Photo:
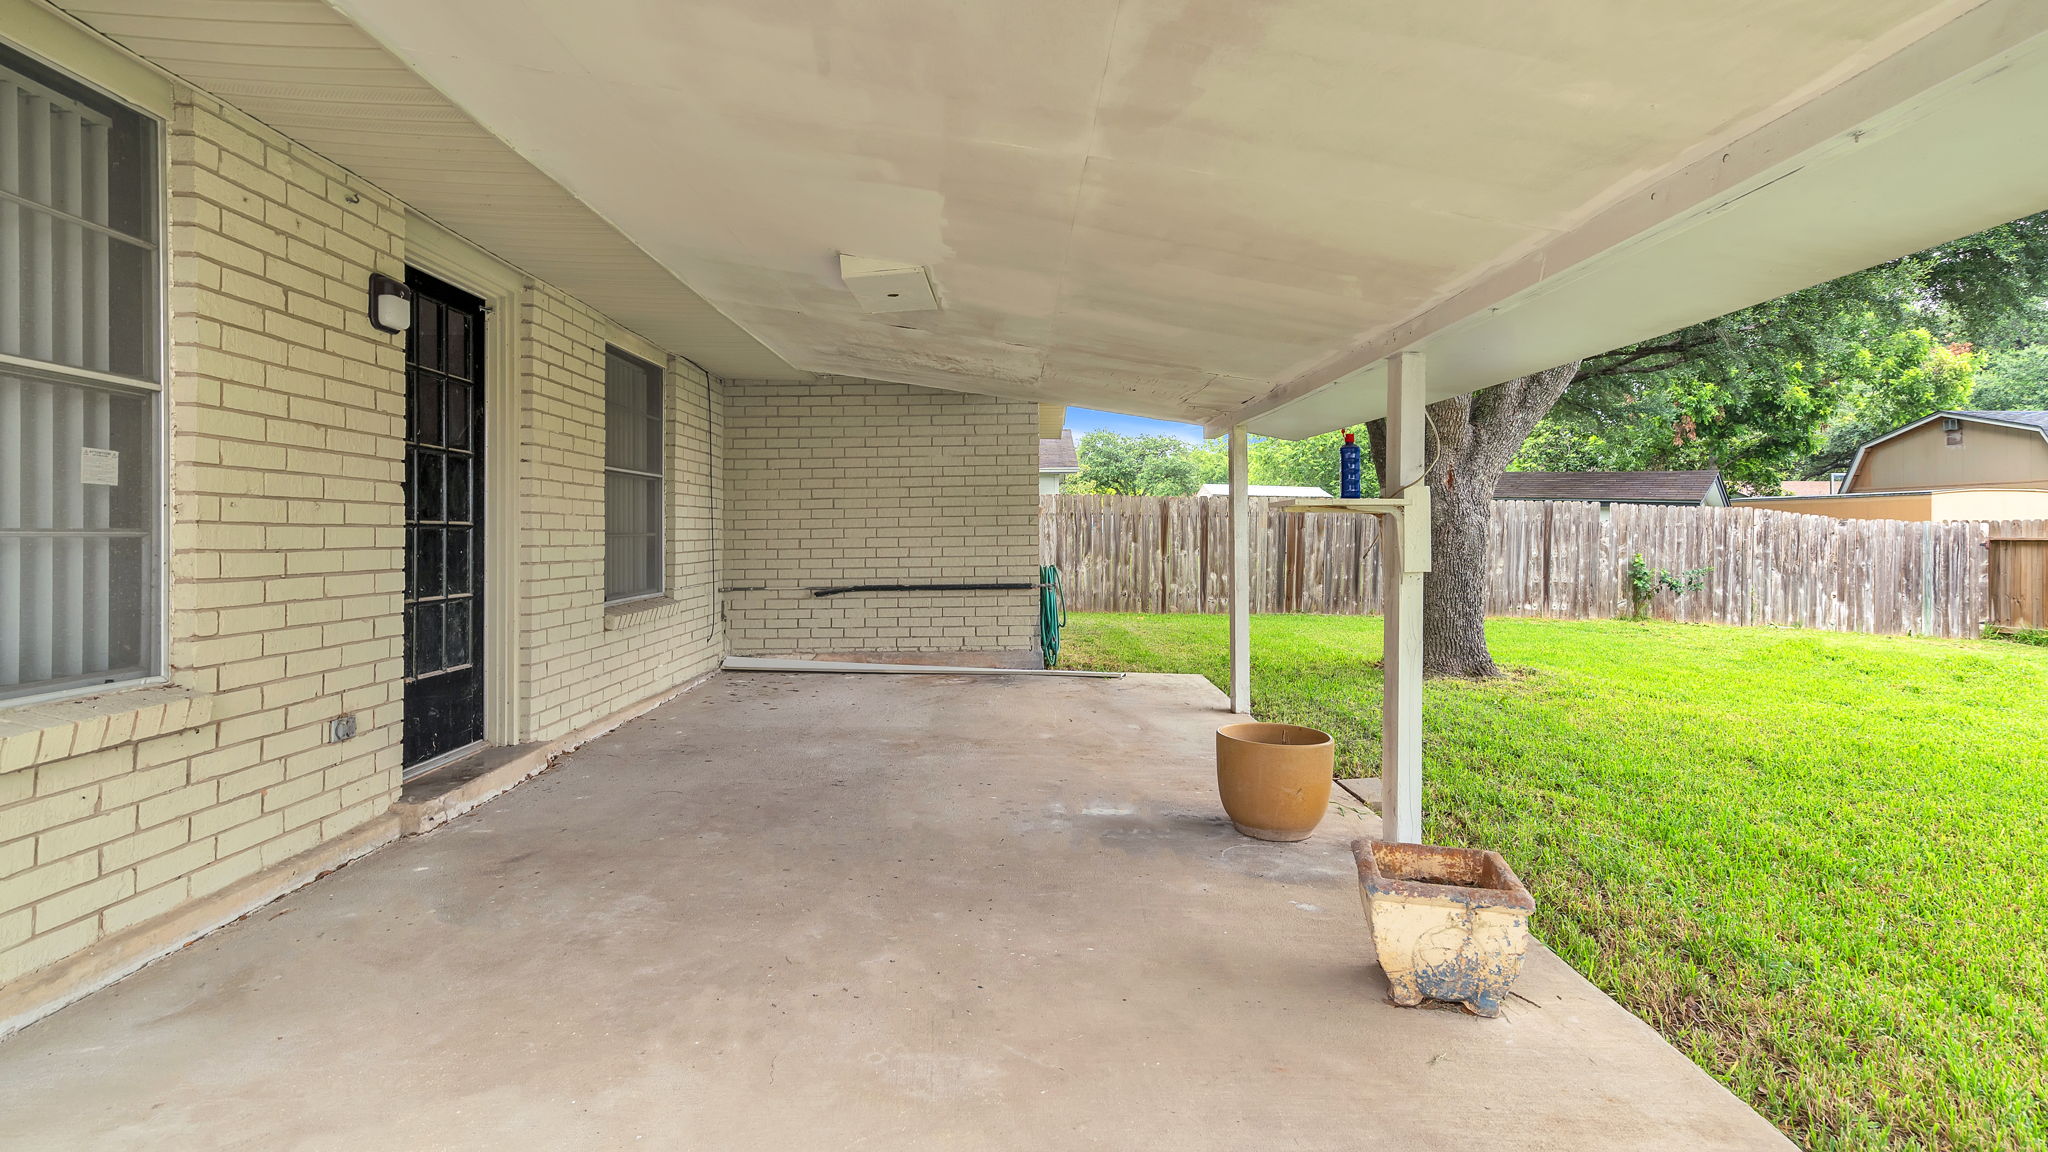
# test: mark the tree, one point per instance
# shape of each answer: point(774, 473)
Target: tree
point(1909, 376)
point(1773, 391)
point(1555, 446)
point(1468, 441)
point(1806, 422)
point(1117, 465)
point(2014, 375)
point(1310, 463)
point(2013, 380)
point(1747, 392)
point(1212, 461)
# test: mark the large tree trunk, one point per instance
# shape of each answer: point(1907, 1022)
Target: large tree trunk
point(1468, 443)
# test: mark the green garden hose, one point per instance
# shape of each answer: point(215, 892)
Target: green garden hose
point(1052, 612)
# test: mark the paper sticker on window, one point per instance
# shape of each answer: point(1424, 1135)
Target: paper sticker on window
point(99, 466)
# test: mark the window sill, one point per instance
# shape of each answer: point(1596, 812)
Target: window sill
point(631, 612)
point(32, 734)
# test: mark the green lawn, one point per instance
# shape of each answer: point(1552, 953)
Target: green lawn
point(1814, 861)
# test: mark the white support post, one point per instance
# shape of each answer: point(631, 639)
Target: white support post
point(1402, 576)
point(1240, 573)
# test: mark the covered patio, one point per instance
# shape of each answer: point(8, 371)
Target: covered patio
point(489, 373)
point(843, 911)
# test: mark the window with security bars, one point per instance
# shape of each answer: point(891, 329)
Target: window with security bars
point(79, 386)
point(633, 473)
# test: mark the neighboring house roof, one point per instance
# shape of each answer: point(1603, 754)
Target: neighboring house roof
point(1612, 487)
point(1296, 491)
point(2028, 419)
point(2038, 421)
point(1056, 453)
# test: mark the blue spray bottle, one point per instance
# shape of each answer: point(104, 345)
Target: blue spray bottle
point(1352, 468)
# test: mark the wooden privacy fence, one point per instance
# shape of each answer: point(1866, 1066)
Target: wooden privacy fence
point(1568, 561)
point(2019, 579)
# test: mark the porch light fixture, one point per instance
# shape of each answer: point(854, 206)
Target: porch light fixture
point(390, 303)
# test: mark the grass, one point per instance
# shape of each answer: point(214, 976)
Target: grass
point(2035, 636)
point(1814, 861)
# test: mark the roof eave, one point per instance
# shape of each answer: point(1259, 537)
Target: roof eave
point(1745, 218)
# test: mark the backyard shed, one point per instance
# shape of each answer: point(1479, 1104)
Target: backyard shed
point(1954, 465)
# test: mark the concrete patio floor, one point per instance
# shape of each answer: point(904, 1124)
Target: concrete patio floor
point(832, 912)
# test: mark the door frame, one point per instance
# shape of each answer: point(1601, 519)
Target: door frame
point(442, 254)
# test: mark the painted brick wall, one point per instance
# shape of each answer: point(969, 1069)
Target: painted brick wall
point(287, 437)
point(582, 660)
point(847, 481)
point(287, 423)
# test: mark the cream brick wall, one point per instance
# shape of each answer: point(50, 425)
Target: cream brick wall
point(846, 481)
point(286, 414)
point(286, 417)
point(582, 660)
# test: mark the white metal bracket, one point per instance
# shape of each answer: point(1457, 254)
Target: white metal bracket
point(1408, 514)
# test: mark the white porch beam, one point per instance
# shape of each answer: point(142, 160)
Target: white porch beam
point(1240, 572)
point(1401, 580)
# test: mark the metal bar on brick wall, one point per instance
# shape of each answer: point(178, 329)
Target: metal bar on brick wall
point(986, 586)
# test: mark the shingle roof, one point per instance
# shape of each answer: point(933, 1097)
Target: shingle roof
point(2037, 419)
point(1610, 487)
point(1057, 453)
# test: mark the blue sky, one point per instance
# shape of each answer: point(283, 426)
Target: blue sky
point(1085, 420)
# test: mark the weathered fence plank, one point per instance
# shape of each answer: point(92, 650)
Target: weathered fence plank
point(2016, 591)
point(1568, 561)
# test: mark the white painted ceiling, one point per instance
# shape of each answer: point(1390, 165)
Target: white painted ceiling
point(1210, 210)
point(1159, 206)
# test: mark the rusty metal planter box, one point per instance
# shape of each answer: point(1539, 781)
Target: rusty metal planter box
point(1448, 923)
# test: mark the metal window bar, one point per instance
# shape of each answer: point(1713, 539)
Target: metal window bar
point(59, 598)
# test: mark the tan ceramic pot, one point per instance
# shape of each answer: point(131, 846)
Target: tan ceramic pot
point(1274, 778)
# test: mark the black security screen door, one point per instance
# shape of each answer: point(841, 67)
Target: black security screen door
point(444, 501)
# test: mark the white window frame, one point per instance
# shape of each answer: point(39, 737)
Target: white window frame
point(635, 351)
point(63, 46)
